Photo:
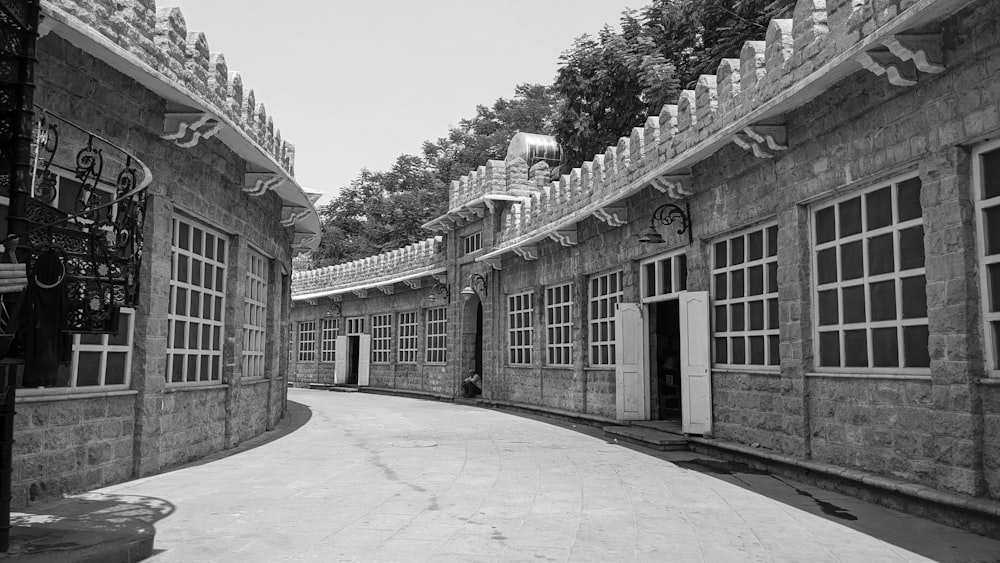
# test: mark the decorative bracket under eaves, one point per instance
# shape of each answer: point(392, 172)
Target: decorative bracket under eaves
point(674, 185)
point(186, 129)
point(257, 184)
point(528, 252)
point(614, 215)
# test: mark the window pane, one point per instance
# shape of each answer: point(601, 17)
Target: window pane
point(721, 357)
point(992, 230)
point(650, 279)
point(855, 348)
point(115, 370)
point(89, 372)
point(775, 350)
point(854, 304)
point(772, 241)
point(914, 297)
point(755, 245)
point(908, 199)
point(825, 228)
point(915, 346)
point(883, 300)
point(737, 316)
point(682, 273)
point(879, 205)
point(994, 282)
point(757, 316)
point(911, 248)
point(772, 313)
point(721, 324)
point(720, 286)
point(756, 279)
point(850, 217)
point(851, 261)
point(739, 350)
point(828, 314)
point(736, 283)
point(829, 349)
point(772, 277)
point(885, 348)
point(826, 263)
point(720, 255)
point(737, 251)
point(881, 258)
point(757, 350)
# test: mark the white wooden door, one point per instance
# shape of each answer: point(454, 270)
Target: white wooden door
point(364, 360)
point(340, 367)
point(696, 378)
point(630, 373)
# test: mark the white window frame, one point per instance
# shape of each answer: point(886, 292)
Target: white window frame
point(305, 337)
point(559, 325)
point(408, 341)
point(865, 281)
point(255, 317)
point(520, 328)
point(473, 243)
point(601, 305)
point(726, 307)
point(329, 329)
point(669, 276)
point(104, 347)
point(211, 329)
point(991, 319)
point(355, 326)
point(436, 321)
point(381, 338)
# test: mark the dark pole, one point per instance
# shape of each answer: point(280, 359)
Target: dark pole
point(18, 32)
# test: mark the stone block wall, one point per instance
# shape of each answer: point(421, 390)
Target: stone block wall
point(155, 425)
point(68, 445)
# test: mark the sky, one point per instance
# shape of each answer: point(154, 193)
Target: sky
point(355, 83)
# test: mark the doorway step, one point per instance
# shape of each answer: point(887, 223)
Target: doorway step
point(647, 437)
point(321, 386)
point(344, 388)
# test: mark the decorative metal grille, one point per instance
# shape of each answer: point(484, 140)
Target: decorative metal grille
point(100, 238)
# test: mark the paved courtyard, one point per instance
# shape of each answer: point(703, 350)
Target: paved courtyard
point(376, 478)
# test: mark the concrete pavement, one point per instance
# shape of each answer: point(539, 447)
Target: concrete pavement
point(381, 478)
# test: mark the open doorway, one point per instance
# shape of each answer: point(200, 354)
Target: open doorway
point(472, 337)
point(664, 360)
point(353, 359)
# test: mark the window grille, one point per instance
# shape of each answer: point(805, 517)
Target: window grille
point(437, 335)
point(559, 325)
point(605, 294)
point(307, 341)
point(520, 328)
point(255, 314)
point(381, 338)
point(329, 328)
point(407, 347)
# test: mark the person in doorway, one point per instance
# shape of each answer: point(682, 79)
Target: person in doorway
point(472, 385)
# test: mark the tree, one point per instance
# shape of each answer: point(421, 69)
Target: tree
point(486, 136)
point(380, 211)
point(613, 83)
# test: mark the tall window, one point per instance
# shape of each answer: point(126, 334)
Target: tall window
point(520, 327)
point(437, 335)
point(255, 315)
point(605, 294)
point(407, 347)
point(381, 338)
point(559, 325)
point(870, 297)
point(307, 341)
point(986, 172)
point(103, 359)
point(328, 340)
point(473, 242)
point(745, 299)
point(197, 303)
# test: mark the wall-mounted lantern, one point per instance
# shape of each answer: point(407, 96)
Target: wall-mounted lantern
point(477, 284)
point(667, 214)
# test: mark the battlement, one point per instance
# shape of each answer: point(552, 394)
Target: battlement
point(425, 256)
point(159, 38)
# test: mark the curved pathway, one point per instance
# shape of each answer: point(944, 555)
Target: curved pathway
point(377, 478)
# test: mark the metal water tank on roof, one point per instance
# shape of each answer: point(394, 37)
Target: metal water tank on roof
point(534, 148)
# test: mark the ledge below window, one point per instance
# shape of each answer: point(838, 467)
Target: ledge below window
point(49, 395)
point(748, 371)
point(181, 388)
point(889, 376)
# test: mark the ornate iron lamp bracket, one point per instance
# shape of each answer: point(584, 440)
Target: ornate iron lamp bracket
point(670, 213)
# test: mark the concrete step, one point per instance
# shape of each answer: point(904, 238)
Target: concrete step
point(663, 441)
point(344, 388)
point(320, 386)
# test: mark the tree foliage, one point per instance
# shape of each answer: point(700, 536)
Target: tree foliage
point(614, 82)
point(486, 135)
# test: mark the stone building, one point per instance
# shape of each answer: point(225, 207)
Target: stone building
point(800, 255)
point(195, 367)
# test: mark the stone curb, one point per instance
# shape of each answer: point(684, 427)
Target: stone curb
point(981, 507)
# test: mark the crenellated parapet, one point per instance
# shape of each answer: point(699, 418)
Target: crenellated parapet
point(382, 271)
point(744, 103)
point(159, 38)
